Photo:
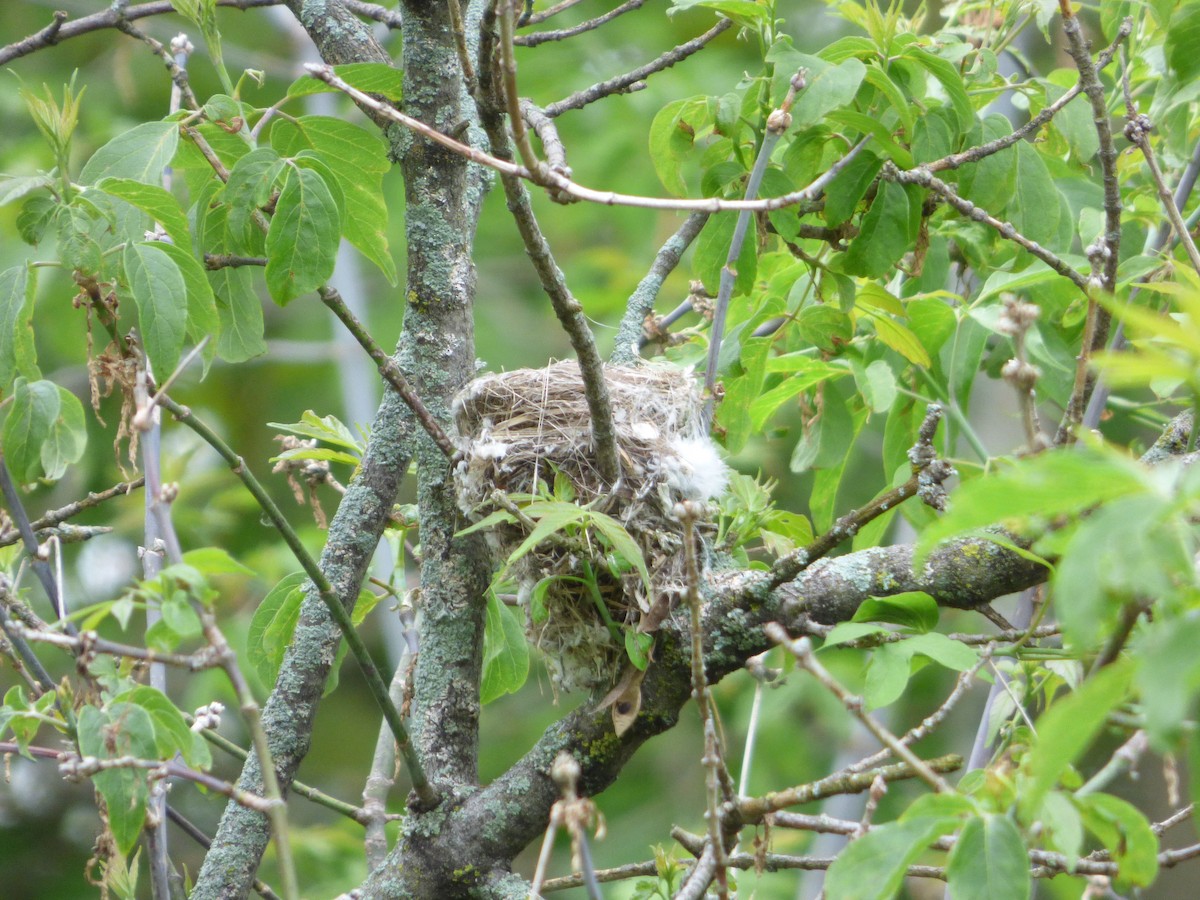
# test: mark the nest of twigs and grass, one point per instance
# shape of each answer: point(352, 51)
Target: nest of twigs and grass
point(596, 566)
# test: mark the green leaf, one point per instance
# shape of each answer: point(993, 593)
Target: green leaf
point(303, 240)
point(989, 861)
point(171, 731)
point(358, 160)
point(1073, 121)
point(616, 535)
point(505, 652)
point(324, 428)
point(808, 373)
point(139, 154)
point(202, 318)
point(887, 675)
point(746, 13)
point(381, 79)
point(712, 249)
point(844, 632)
point(1050, 484)
point(883, 235)
point(160, 293)
point(272, 626)
point(1034, 207)
point(18, 353)
point(849, 186)
point(932, 322)
point(44, 433)
point(912, 609)
point(251, 181)
point(67, 437)
point(829, 87)
point(947, 73)
point(123, 729)
point(215, 561)
point(1067, 729)
point(239, 313)
point(672, 133)
point(990, 183)
point(1168, 678)
point(901, 339)
point(34, 218)
point(1183, 37)
point(637, 647)
point(155, 201)
point(873, 867)
point(1126, 834)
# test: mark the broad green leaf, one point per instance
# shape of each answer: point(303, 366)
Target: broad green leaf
point(1067, 729)
point(844, 632)
point(827, 482)
point(913, 609)
point(825, 327)
point(989, 861)
point(887, 675)
point(123, 729)
point(637, 647)
point(160, 294)
point(171, 731)
point(18, 353)
point(849, 186)
point(881, 134)
point(358, 160)
point(829, 86)
point(901, 339)
point(303, 239)
point(900, 104)
point(616, 535)
point(14, 187)
point(746, 13)
point(883, 236)
point(943, 650)
point(932, 321)
point(712, 249)
point(240, 314)
point(808, 373)
point(933, 135)
point(1050, 484)
point(826, 442)
point(329, 429)
point(249, 188)
point(951, 80)
point(741, 390)
point(672, 133)
point(155, 201)
point(215, 561)
point(35, 217)
point(1126, 834)
point(1168, 677)
point(877, 383)
point(990, 183)
point(505, 652)
point(139, 154)
point(371, 78)
point(1073, 121)
point(67, 438)
point(873, 867)
point(272, 625)
point(27, 427)
point(202, 319)
point(1034, 208)
point(1183, 37)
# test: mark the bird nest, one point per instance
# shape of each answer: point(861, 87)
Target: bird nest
point(527, 444)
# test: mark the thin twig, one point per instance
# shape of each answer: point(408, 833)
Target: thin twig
point(803, 651)
point(753, 809)
point(777, 123)
point(925, 178)
point(542, 37)
point(63, 28)
point(62, 514)
point(388, 368)
point(550, 179)
point(421, 786)
point(538, 18)
point(628, 81)
point(928, 475)
point(641, 301)
point(566, 308)
point(1137, 130)
point(974, 154)
point(192, 831)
